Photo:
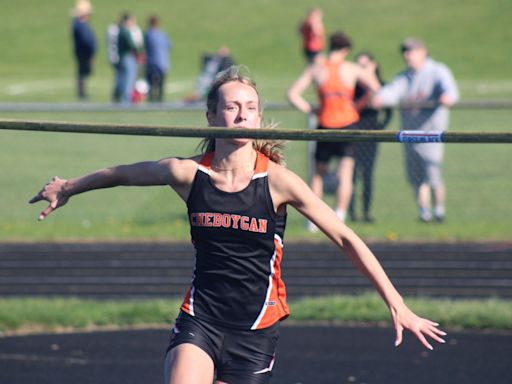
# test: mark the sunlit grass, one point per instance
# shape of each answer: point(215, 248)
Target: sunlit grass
point(57, 314)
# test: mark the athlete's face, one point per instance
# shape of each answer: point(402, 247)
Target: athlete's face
point(238, 107)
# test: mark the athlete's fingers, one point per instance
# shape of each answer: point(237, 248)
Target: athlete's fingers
point(48, 210)
point(423, 340)
point(434, 336)
point(399, 329)
point(432, 330)
point(36, 198)
point(45, 212)
point(438, 331)
point(399, 334)
point(430, 322)
point(398, 339)
point(49, 191)
point(40, 195)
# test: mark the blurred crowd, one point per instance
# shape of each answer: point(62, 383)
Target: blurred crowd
point(140, 59)
point(351, 95)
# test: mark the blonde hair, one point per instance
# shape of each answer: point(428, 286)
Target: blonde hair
point(270, 148)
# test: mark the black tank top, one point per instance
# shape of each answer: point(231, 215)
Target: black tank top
point(238, 240)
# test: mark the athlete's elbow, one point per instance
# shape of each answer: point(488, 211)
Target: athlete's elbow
point(345, 240)
point(340, 241)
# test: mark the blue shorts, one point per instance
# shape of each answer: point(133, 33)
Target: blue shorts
point(239, 356)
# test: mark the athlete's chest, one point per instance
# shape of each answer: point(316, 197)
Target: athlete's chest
point(224, 183)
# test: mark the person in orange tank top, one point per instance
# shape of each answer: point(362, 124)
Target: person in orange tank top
point(334, 79)
point(313, 34)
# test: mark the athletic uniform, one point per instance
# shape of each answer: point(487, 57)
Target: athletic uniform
point(337, 111)
point(237, 297)
point(313, 43)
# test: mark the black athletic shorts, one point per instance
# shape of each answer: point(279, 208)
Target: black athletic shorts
point(239, 356)
point(325, 150)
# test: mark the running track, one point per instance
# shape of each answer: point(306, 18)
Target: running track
point(314, 354)
point(123, 270)
point(306, 354)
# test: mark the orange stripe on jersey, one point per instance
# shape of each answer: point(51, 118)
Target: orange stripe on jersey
point(275, 307)
point(261, 163)
point(188, 305)
point(206, 161)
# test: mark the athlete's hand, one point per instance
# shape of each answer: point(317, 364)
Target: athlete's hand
point(53, 193)
point(404, 318)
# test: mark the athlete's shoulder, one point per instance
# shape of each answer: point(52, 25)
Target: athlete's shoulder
point(181, 162)
point(181, 170)
point(285, 185)
point(280, 175)
point(274, 167)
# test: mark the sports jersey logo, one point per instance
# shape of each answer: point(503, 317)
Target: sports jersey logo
point(333, 94)
point(227, 220)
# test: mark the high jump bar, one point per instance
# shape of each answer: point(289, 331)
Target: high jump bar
point(410, 136)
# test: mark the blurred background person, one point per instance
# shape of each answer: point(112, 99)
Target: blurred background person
point(158, 47)
point(211, 65)
point(313, 34)
point(84, 44)
point(113, 56)
point(138, 41)
point(366, 152)
point(140, 88)
point(130, 44)
point(334, 79)
point(429, 82)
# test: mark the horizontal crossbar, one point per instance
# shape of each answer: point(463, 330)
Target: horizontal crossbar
point(272, 134)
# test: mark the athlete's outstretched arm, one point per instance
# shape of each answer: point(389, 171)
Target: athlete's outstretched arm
point(170, 171)
point(288, 188)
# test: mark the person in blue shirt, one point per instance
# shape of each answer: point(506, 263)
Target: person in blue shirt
point(158, 47)
point(84, 44)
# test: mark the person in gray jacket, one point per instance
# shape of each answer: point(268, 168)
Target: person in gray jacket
point(424, 91)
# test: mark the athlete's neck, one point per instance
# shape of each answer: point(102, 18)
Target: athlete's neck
point(239, 159)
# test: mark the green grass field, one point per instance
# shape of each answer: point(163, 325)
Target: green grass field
point(57, 314)
point(478, 179)
point(471, 37)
